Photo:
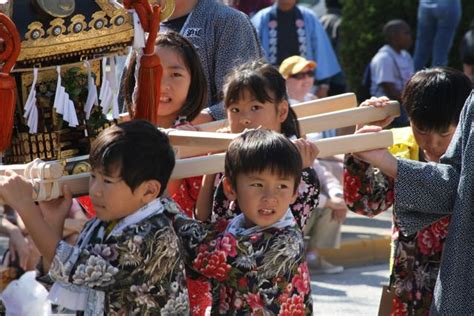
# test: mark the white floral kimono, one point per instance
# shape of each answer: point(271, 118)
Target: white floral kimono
point(132, 267)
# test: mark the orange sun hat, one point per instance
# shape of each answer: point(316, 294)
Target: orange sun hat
point(295, 64)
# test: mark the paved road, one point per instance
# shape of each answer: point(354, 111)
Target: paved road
point(356, 291)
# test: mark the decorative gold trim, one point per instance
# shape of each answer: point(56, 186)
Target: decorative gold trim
point(35, 31)
point(108, 7)
point(101, 34)
point(56, 28)
point(78, 24)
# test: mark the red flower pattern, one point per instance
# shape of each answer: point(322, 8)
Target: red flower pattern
point(351, 188)
point(293, 306)
point(301, 281)
point(417, 257)
point(199, 296)
point(228, 244)
point(254, 301)
point(213, 265)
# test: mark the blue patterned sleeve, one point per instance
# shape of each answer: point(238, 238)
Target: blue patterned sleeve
point(426, 192)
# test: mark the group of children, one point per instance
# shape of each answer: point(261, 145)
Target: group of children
point(139, 255)
point(243, 253)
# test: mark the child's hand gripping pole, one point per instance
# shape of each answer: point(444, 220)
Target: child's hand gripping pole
point(43, 176)
point(9, 51)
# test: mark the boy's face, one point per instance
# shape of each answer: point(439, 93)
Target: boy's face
point(263, 197)
point(112, 197)
point(404, 38)
point(249, 113)
point(433, 143)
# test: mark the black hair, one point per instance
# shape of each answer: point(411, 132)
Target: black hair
point(138, 149)
point(196, 99)
point(260, 149)
point(392, 28)
point(265, 83)
point(434, 97)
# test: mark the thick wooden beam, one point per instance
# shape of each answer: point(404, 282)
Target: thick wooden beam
point(314, 107)
point(194, 138)
point(350, 117)
point(79, 184)
point(310, 124)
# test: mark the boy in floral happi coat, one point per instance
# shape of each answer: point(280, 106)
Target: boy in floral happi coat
point(256, 262)
point(127, 260)
point(433, 99)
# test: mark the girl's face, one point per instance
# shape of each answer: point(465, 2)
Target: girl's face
point(433, 144)
point(247, 112)
point(174, 83)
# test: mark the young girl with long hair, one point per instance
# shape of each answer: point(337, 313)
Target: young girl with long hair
point(183, 96)
point(255, 96)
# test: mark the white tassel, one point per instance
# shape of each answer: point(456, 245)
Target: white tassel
point(59, 97)
point(108, 95)
point(139, 36)
point(92, 98)
point(31, 110)
point(63, 103)
point(115, 88)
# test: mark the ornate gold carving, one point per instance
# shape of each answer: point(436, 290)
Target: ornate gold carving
point(35, 31)
point(78, 24)
point(56, 28)
point(108, 7)
point(106, 31)
point(57, 8)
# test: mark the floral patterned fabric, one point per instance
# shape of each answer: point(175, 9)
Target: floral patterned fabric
point(263, 273)
point(308, 194)
point(416, 258)
point(188, 192)
point(186, 197)
point(140, 270)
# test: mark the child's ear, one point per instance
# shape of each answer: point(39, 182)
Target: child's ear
point(229, 191)
point(295, 196)
point(283, 109)
point(150, 190)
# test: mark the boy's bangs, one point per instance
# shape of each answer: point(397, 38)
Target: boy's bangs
point(108, 159)
point(279, 162)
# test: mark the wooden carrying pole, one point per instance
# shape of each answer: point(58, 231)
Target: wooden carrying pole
point(334, 103)
point(198, 146)
point(36, 169)
point(79, 184)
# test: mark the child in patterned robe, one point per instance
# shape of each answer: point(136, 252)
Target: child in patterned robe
point(433, 99)
point(256, 263)
point(127, 260)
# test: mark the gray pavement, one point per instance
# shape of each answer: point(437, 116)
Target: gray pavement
point(356, 291)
